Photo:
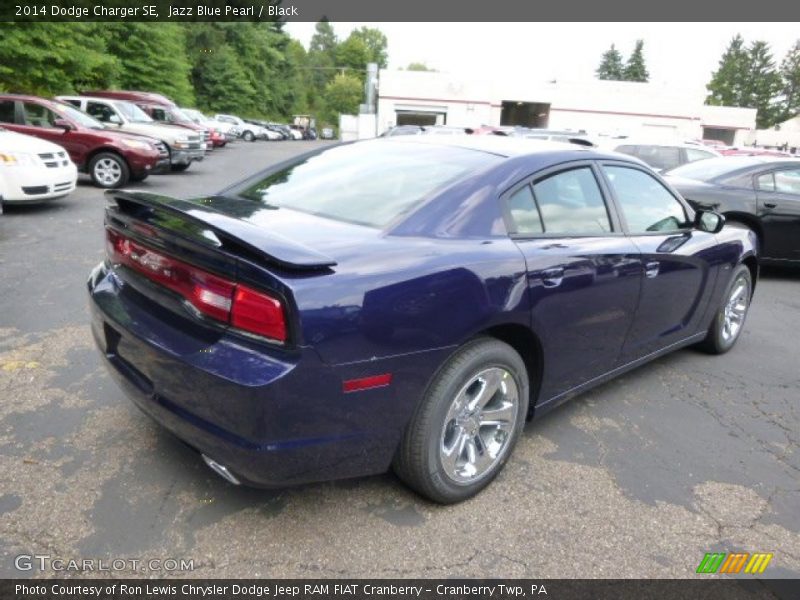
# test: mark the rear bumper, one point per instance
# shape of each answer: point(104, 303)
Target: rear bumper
point(271, 419)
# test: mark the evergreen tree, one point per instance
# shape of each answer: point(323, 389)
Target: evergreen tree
point(321, 60)
point(762, 85)
point(610, 65)
point(790, 75)
point(635, 68)
point(727, 82)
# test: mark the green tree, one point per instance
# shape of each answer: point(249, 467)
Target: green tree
point(353, 54)
point(321, 60)
point(342, 96)
point(727, 82)
point(635, 68)
point(610, 67)
point(418, 66)
point(152, 57)
point(55, 58)
point(763, 84)
point(376, 43)
point(221, 84)
point(790, 75)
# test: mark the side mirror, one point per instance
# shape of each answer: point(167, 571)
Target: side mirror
point(63, 124)
point(708, 220)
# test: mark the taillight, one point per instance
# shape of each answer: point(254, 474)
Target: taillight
point(215, 297)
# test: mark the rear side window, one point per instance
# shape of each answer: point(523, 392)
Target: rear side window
point(73, 102)
point(766, 182)
point(694, 154)
point(647, 205)
point(523, 212)
point(6, 111)
point(571, 203)
point(660, 157)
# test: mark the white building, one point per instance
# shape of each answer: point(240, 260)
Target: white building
point(785, 136)
point(611, 107)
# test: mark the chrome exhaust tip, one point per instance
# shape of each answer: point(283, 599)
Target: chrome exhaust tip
point(221, 470)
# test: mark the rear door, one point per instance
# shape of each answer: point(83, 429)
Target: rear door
point(676, 260)
point(779, 208)
point(583, 273)
point(39, 121)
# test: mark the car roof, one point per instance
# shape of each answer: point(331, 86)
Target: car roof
point(507, 146)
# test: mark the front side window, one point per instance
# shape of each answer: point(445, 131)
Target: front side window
point(571, 203)
point(100, 111)
point(132, 112)
point(788, 181)
point(646, 204)
point(37, 115)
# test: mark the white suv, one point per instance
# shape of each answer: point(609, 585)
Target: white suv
point(33, 170)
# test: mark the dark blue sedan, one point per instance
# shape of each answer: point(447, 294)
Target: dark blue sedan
point(405, 303)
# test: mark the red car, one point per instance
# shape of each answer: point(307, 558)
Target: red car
point(111, 158)
point(159, 108)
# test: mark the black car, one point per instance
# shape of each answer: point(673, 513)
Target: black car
point(760, 192)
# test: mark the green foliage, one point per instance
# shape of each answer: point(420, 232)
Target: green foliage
point(342, 95)
point(418, 66)
point(152, 58)
point(376, 43)
point(55, 58)
point(635, 68)
point(725, 88)
point(747, 77)
point(253, 69)
point(790, 75)
point(610, 65)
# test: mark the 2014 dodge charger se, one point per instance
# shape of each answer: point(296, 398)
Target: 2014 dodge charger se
point(405, 302)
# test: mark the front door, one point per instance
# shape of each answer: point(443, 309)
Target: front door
point(676, 260)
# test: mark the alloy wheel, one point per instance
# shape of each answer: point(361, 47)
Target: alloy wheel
point(735, 309)
point(107, 171)
point(479, 425)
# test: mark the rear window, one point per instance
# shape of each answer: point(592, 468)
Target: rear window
point(367, 183)
point(660, 157)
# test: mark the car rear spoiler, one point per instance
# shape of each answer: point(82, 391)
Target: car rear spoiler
point(278, 249)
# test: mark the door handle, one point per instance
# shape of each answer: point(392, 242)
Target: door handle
point(552, 277)
point(770, 205)
point(651, 269)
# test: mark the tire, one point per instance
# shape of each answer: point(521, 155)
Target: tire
point(730, 316)
point(179, 168)
point(109, 170)
point(451, 449)
point(248, 136)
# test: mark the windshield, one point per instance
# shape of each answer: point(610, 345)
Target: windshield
point(178, 116)
point(194, 115)
point(132, 112)
point(79, 117)
point(367, 183)
point(711, 168)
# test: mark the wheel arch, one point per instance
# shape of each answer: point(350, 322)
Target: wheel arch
point(527, 344)
point(106, 150)
point(751, 221)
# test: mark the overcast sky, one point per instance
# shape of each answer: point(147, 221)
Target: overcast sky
point(676, 53)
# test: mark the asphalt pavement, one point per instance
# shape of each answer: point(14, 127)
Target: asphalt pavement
point(638, 478)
